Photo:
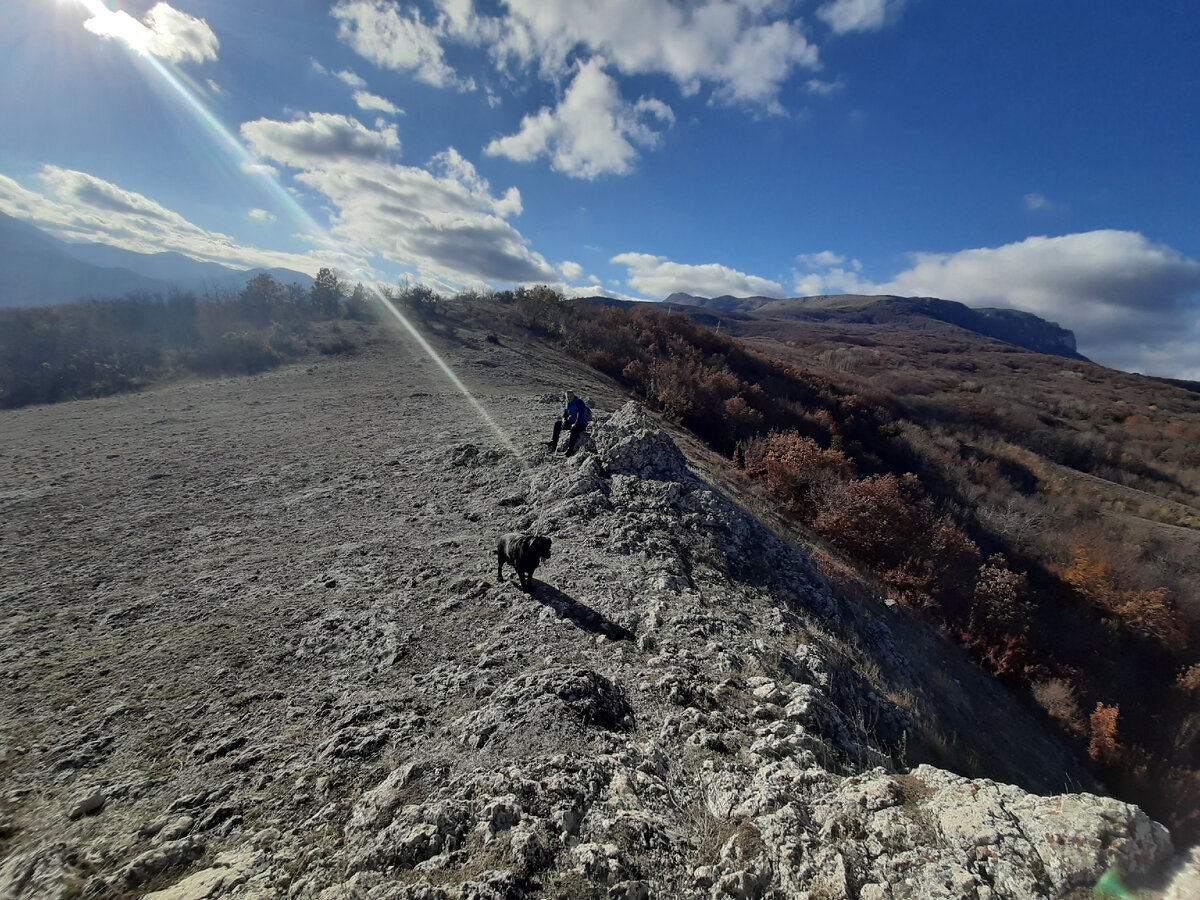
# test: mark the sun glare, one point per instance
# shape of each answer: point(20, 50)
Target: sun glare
point(119, 25)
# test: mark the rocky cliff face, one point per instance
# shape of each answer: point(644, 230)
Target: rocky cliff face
point(255, 647)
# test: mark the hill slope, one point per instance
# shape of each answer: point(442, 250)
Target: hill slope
point(254, 645)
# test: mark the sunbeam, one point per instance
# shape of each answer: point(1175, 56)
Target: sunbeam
point(453, 378)
point(250, 166)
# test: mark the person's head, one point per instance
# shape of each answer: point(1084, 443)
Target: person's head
point(568, 396)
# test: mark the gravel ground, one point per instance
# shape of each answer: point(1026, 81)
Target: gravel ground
point(253, 645)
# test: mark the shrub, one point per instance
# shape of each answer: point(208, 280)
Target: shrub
point(868, 516)
point(1104, 747)
point(1149, 613)
point(796, 468)
point(1057, 697)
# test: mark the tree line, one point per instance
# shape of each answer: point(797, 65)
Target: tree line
point(99, 347)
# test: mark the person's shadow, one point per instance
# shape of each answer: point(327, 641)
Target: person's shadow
point(582, 615)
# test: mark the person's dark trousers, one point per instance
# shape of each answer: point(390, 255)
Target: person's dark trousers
point(576, 430)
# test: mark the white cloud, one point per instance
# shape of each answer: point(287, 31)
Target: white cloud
point(657, 276)
point(824, 259)
point(346, 76)
point(260, 169)
point(1124, 296)
point(745, 48)
point(378, 32)
point(570, 270)
point(1096, 275)
point(443, 220)
point(83, 208)
point(215, 88)
point(1037, 202)
point(591, 131)
point(843, 16)
point(827, 272)
point(366, 101)
point(262, 215)
point(825, 88)
point(165, 32)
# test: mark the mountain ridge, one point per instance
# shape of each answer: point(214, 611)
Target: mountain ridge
point(37, 269)
point(1017, 327)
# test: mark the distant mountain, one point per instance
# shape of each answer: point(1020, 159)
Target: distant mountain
point(37, 269)
point(1012, 326)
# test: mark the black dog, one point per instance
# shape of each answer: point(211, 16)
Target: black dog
point(523, 552)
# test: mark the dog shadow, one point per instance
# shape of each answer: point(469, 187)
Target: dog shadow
point(580, 613)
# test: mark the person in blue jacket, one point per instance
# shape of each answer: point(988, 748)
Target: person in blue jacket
point(576, 416)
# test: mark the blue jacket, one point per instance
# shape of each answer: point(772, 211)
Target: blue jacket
point(577, 411)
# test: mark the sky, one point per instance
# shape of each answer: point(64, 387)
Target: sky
point(1030, 154)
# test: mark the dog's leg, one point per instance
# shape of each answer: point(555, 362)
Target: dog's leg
point(499, 565)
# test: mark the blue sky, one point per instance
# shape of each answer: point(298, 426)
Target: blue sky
point(1042, 155)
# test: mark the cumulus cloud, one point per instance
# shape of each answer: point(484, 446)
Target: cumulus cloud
point(82, 208)
point(443, 219)
point(1122, 294)
point(843, 16)
point(591, 132)
point(378, 31)
point(824, 259)
point(260, 169)
point(657, 276)
point(1094, 276)
point(827, 272)
point(367, 101)
point(320, 139)
point(746, 49)
point(165, 32)
point(570, 270)
point(261, 215)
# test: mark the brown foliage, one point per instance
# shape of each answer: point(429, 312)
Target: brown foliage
point(999, 596)
point(1189, 680)
point(1104, 747)
point(873, 518)
point(796, 469)
point(1057, 697)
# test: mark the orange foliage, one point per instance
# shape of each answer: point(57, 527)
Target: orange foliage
point(1147, 612)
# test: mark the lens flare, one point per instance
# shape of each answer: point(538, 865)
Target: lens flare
point(450, 374)
point(251, 167)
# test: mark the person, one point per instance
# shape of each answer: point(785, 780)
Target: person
point(575, 416)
